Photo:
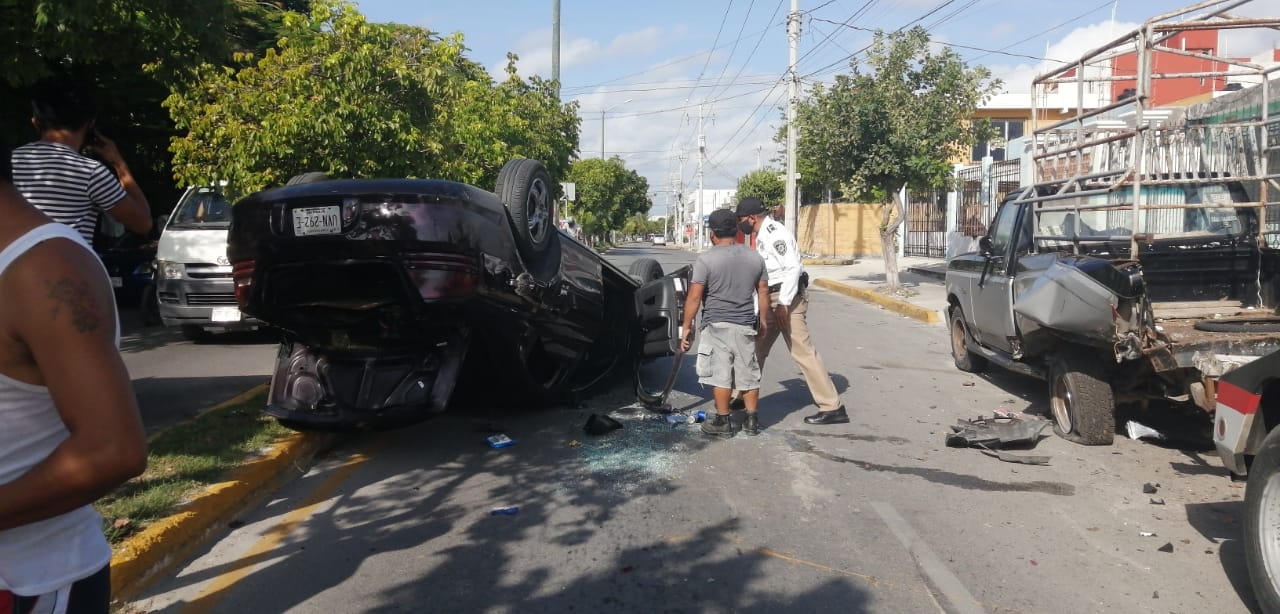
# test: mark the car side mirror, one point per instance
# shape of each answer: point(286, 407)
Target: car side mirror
point(984, 246)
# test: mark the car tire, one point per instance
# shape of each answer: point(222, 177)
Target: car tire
point(525, 189)
point(1240, 325)
point(149, 306)
point(310, 177)
point(645, 270)
point(1081, 399)
point(194, 333)
point(966, 360)
point(1261, 531)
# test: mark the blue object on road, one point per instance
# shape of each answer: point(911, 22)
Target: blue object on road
point(509, 510)
point(499, 441)
point(700, 416)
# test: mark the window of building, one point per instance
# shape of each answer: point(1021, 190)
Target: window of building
point(1005, 130)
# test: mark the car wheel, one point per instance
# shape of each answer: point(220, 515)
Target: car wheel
point(645, 270)
point(966, 360)
point(149, 305)
point(310, 177)
point(1081, 399)
point(525, 188)
point(194, 333)
point(1261, 527)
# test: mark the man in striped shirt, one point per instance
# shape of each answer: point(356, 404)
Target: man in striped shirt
point(67, 186)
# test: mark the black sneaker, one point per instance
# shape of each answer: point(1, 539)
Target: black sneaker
point(737, 404)
point(835, 416)
point(751, 425)
point(718, 426)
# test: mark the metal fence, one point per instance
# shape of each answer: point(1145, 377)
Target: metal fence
point(926, 224)
point(980, 190)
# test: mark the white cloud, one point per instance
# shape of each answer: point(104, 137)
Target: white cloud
point(535, 50)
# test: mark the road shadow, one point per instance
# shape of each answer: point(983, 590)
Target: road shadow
point(573, 544)
point(1222, 523)
point(167, 401)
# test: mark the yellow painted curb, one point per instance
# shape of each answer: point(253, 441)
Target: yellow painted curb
point(827, 261)
point(892, 304)
point(167, 542)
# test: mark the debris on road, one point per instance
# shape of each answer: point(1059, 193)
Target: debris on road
point(1137, 431)
point(507, 510)
point(600, 425)
point(1150, 488)
point(499, 441)
point(677, 418)
point(997, 432)
point(1168, 547)
point(1157, 501)
point(1146, 534)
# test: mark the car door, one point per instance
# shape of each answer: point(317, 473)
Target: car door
point(993, 293)
point(659, 309)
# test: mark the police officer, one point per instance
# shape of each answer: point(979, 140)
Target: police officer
point(789, 305)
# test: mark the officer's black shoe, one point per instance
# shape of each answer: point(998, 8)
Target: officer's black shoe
point(718, 426)
point(835, 416)
point(751, 425)
point(737, 404)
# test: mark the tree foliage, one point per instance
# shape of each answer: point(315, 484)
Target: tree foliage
point(892, 123)
point(607, 194)
point(356, 99)
point(765, 184)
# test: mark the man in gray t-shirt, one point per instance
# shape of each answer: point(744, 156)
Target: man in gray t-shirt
point(731, 286)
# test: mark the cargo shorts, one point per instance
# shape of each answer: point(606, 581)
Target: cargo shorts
point(727, 357)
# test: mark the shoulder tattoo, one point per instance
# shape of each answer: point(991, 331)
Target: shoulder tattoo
point(75, 298)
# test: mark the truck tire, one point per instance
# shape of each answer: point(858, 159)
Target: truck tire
point(525, 189)
point(1262, 523)
point(1081, 399)
point(645, 270)
point(966, 360)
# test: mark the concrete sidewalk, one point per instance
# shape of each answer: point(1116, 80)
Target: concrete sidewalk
point(923, 298)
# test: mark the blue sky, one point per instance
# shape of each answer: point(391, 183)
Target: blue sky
point(654, 66)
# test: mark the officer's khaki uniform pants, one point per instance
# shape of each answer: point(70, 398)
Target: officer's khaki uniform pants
point(798, 341)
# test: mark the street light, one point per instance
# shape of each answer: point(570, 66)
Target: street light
point(606, 110)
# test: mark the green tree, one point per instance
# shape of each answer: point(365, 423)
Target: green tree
point(608, 194)
point(892, 123)
point(765, 184)
point(355, 99)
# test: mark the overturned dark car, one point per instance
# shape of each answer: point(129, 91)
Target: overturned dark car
point(393, 294)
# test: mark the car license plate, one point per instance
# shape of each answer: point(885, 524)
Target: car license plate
point(225, 314)
point(311, 221)
point(117, 282)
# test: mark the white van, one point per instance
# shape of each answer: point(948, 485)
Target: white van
point(193, 276)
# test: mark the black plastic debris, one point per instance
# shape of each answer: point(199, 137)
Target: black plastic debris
point(1168, 547)
point(998, 432)
point(600, 425)
point(1157, 501)
point(1150, 488)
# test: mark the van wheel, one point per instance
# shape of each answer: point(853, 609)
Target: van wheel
point(194, 333)
point(966, 360)
point(1081, 399)
point(525, 189)
point(645, 270)
point(1261, 531)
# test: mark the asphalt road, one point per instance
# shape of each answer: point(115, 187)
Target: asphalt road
point(176, 379)
point(873, 516)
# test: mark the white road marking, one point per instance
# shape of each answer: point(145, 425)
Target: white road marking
point(953, 591)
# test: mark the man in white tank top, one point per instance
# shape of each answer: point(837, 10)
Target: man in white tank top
point(70, 431)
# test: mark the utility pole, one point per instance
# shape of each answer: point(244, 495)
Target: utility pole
point(793, 94)
point(555, 45)
point(681, 214)
point(758, 148)
point(702, 156)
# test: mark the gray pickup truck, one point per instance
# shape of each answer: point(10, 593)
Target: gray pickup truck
point(1071, 290)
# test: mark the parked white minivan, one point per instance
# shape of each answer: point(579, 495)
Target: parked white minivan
point(193, 276)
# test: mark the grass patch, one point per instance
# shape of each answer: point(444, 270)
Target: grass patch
point(185, 459)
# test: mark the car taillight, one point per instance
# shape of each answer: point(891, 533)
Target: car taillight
point(242, 274)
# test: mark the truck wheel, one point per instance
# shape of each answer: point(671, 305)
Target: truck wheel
point(966, 360)
point(645, 270)
point(1262, 523)
point(525, 189)
point(1081, 399)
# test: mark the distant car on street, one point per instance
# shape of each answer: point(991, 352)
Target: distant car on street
point(659, 240)
point(391, 293)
